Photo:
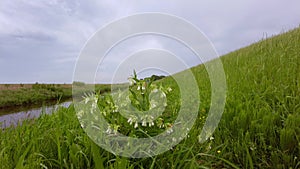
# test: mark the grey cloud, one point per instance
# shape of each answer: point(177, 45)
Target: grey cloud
point(40, 40)
point(39, 36)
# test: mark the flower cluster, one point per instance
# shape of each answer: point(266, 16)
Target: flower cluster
point(149, 99)
point(141, 105)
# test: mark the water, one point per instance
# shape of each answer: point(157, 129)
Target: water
point(13, 117)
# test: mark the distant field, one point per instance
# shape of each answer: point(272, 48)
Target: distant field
point(12, 95)
point(26, 86)
point(14, 86)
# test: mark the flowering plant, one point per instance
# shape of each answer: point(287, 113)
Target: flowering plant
point(135, 110)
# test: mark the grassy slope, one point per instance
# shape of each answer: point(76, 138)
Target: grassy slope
point(259, 128)
point(261, 122)
point(263, 105)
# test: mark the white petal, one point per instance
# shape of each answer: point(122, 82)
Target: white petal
point(136, 125)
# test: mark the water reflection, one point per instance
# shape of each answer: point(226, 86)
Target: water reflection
point(16, 117)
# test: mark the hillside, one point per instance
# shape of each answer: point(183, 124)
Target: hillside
point(261, 123)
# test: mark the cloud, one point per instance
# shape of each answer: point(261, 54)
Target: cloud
point(40, 40)
point(123, 51)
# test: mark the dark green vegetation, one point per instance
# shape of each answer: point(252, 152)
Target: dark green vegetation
point(155, 77)
point(15, 95)
point(260, 127)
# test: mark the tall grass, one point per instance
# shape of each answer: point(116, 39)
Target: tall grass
point(259, 127)
point(261, 123)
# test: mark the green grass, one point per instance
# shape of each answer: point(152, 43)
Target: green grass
point(260, 127)
point(261, 123)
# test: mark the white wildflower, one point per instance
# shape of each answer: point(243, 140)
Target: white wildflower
point(162, 95)
point(86, 100)
point(170, 130)
point(147, 119)
point(80, 114)
point(151, 124)
point(144, 123)
point(108, 131)
point(115, 108)
point(135, 125)
point(94, 106)
point(152, 104)
point(174, 139)
point(160, 123)
point(131, 81)
point(132, 119)
point(129, 120)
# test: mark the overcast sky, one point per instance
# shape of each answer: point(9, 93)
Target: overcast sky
point(40, 40)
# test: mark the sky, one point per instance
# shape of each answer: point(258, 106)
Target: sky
point(41, 40)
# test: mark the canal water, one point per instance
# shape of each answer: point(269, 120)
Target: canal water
point(14, 116)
